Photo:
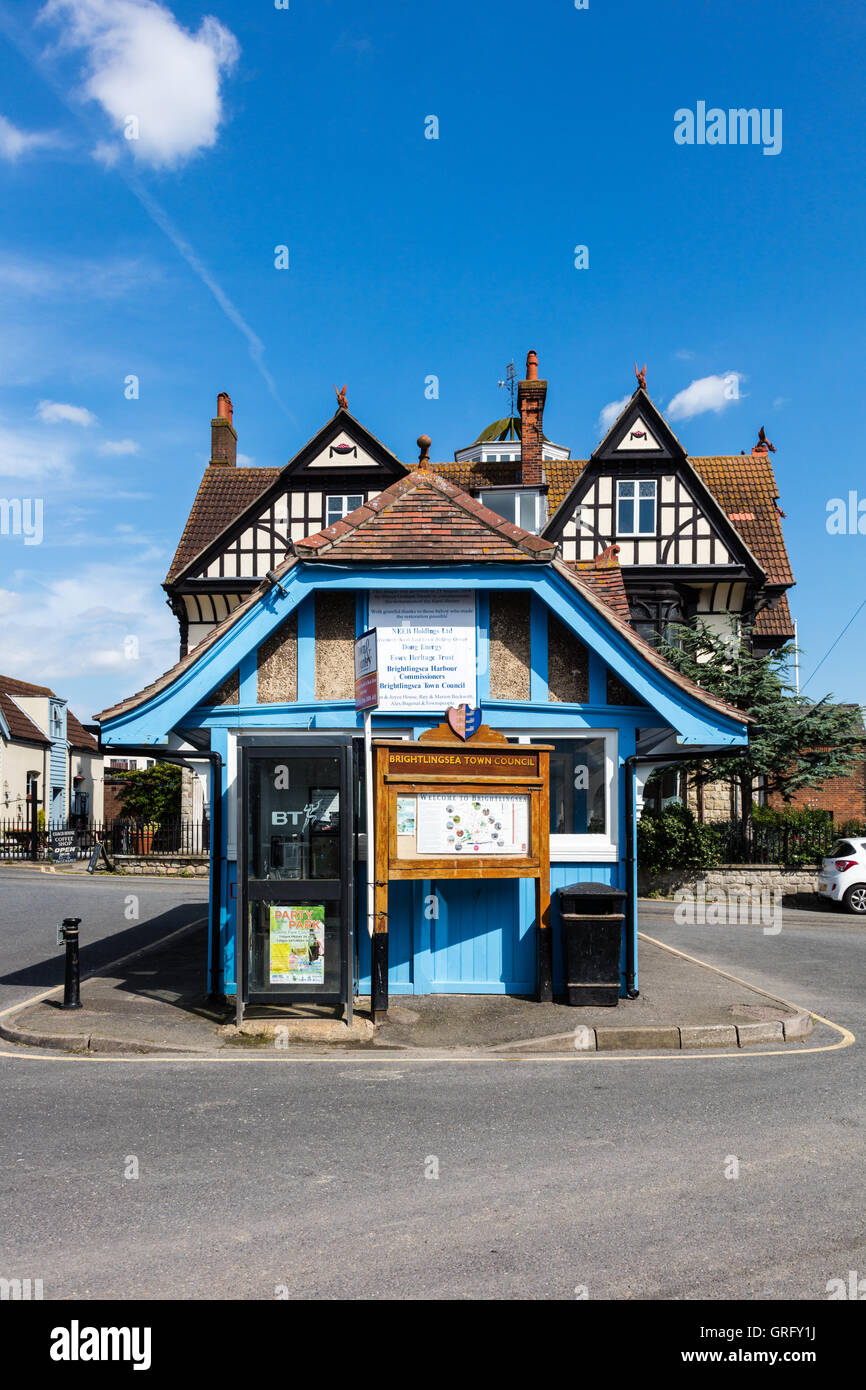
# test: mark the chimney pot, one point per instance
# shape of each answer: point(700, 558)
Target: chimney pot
point(223, 435)
point(531, 394)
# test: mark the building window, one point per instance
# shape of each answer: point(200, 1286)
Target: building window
point(583, 794)
point(338, 507)
point(636, 508)
point(525, 507)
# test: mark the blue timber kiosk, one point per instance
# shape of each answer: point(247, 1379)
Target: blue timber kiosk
point(470, 612)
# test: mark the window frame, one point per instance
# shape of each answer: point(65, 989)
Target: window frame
point(635, 501)
point(343, 498)
point(538, 494)
point(584, 849)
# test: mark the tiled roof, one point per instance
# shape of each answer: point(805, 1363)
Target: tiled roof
point(775, 622)
point(16, 687)
point(78, 736)
point(646, 648)
point(423, 490)
point(424, 519)
point(604, 577)
point(744, 485)
point(560, 476)
point(20, 727)
point(223, 494)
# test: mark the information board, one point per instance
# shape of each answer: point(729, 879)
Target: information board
point(467, 824)
point(426, 649)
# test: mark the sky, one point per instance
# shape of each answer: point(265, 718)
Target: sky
point(429, 170)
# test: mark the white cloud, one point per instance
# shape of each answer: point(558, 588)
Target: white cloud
point(707, 393)
point(56, 413)
point(142, 64)
point(118, 446)
point(245, 461)
point(611, 412)
point(62, 632)
point(684, 354)
point(75, 277)
point(15, 142)
point(34, 456)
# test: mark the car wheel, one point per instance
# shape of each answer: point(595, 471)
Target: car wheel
point(855, 899)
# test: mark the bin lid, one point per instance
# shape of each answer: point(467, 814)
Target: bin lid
point(592, 890)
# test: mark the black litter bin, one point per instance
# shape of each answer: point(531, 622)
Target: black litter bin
point(591, 915)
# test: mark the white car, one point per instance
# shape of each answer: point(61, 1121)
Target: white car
point(842, 878)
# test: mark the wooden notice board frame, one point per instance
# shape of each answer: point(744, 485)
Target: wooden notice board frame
point(440, 762)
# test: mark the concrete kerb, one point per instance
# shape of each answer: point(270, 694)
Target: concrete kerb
point(631, 1038)
point(793, 1024)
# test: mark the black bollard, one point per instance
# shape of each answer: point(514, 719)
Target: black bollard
point(72, 980)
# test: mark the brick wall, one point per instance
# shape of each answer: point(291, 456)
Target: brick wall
point(844, 796)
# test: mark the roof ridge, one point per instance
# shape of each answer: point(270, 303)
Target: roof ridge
point(322, 542)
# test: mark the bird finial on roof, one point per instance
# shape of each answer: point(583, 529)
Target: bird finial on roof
point(641, 376)
point(342, 403)
point(763, 445)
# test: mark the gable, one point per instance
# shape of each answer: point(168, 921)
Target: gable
point(344, 445)
point(243, 520)
point(639, 429)
point(638, 437)
point(690, 528)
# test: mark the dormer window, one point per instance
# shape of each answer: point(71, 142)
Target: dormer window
point(636, 508)
point(525, 506)
point(340, 506)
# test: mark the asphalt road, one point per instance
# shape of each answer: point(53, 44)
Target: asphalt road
point(592, 1172)
point(118, 916)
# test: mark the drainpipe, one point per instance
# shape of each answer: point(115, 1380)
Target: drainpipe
point(631, 766)
point(149, 750)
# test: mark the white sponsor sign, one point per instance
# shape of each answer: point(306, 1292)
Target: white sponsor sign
point(426, 645)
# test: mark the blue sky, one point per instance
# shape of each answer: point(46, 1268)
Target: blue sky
point(408, 257)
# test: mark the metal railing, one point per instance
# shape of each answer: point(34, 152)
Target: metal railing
point(792, 844)
point(122, 836)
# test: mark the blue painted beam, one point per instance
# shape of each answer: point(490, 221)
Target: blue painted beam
point(684, 712)
point(538, 613)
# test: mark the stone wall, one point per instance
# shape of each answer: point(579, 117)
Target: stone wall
point(164, 865)
point(277, 664)
point(713, 803)
point(567, 665)
point(509, 646)
point(797, 885)
point(335, 645)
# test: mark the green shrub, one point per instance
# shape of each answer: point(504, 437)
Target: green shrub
point(674, 839)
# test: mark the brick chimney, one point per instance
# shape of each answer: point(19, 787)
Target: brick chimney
point(531, 394)
point(223, 435)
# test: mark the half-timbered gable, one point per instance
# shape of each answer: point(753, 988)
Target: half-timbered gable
point(694, 536)
point(245, 520)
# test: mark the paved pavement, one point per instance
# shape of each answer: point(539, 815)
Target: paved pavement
point(371, 1176)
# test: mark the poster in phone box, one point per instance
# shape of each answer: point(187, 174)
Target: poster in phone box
point(297, 942)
